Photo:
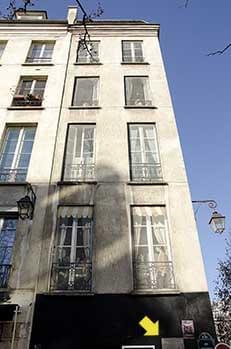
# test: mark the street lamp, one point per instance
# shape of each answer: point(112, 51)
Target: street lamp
point(26, 204)
point(217, 221)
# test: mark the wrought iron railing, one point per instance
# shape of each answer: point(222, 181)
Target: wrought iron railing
point(153, 275)
point(146, 172)
point(130, 59)
point(79, 172)
point(71, 277)
point(26, 101)
point(7, 329)
point(38, 59)
point(13, 175)
point(4, 275)
point(139, 102)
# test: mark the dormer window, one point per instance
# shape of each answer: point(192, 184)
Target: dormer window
point(31, 15)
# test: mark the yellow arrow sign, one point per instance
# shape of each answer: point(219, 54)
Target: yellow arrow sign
point(151, 328)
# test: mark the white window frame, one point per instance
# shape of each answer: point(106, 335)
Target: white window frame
point(2, 47)
point(18, 149)
point(147, 102)
point(95, 97)
point(132, 49)
point(40, 57)
point(90, 59)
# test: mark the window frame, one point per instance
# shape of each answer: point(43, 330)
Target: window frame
point(149, 93)
point(39, 60)
point(89, 59)
point(133, 59)
point(156, 179)
point(65, 151)
point(73, 106)
point(168, 248)
point(19, 146)
point(3, 43)
point(29, 100)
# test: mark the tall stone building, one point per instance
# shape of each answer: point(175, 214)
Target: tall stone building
point(112, 240)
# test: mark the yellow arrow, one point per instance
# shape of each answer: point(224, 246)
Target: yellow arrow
point(151, 328)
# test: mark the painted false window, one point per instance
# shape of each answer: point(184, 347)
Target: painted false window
point(86, 92)
point(80, 153)
point(153, 267)
point(40, 52)
point(88, 53)
point(7, 238)
point(2, 47)
point(132, 52)
point(16, 153)
point(29, 92)
point(72, 265)
point(144, 154)
point(137, 91)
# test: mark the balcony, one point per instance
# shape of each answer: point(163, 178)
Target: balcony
point(80, 172)
point(71, 277)
point(146, 172)
point(27, 101)
point(4, 275)
point(13, 175)
point(153, 276)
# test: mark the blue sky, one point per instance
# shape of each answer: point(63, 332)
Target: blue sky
point(200, 88)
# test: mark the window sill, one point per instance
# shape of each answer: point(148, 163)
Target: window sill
point(80, 182)
point(83, 107)
point(155, 292)
point(68, 293)
point(134, 63)
point(140, 107)
point(96, 63)
point(147, 183)
point(37, 64)
point(12, 184)
point(26, 108)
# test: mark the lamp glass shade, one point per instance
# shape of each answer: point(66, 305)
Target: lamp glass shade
point(25, 207)
point(217, 222)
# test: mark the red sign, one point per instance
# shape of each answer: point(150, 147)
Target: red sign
point(222, 346)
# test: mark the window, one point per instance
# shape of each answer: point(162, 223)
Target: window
point(137, 91)
point(80, 153)
point(2, 47)
point(29, 92)
point(89, 54)
point(132, 52)
point(144, 155)
point(152, 261)
point(40, 52)
point(71, 269)
point(15, 154)
point(7, 238)
point(86, 92)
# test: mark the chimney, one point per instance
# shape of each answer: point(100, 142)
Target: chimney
point(72, 14)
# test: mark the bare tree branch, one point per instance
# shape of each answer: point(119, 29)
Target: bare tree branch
point(12, 8)
point(219, 52)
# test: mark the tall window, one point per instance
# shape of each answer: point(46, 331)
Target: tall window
point(73, 251)
point(7, 238)
point(80, 153)
point(152, 259)
point(40, 52)
point(86, 92)
point(88, 53)
point(30, 91)
point(132, 52)
point(2, 47)
point(144, 155)
point(15, 154)
point(137, 91)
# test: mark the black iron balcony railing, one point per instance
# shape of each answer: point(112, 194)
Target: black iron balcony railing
point(153, 275)
point(27, 101)
point(71, 277)
point(38, 59)
point(4, 275)
point(79, 172)
point(13, 175)
point(146, 172)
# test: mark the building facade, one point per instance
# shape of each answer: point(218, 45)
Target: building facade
point(112, 240)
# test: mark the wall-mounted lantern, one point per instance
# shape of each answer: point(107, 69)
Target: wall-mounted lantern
point(217, 221)
point(26, 204)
